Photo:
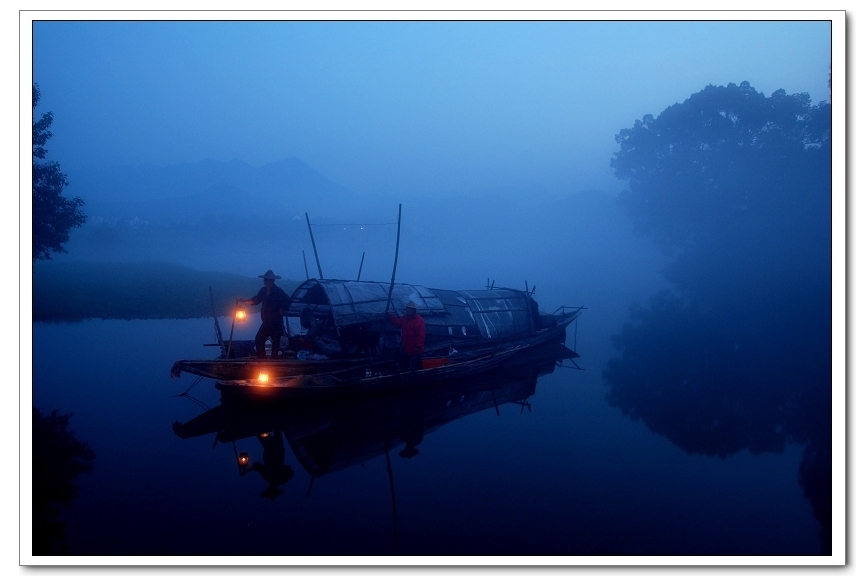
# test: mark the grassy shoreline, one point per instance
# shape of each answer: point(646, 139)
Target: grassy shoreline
point(77, 291)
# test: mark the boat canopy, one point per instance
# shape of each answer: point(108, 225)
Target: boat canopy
point(487, 313)
point(491, 313)
point(357, 302)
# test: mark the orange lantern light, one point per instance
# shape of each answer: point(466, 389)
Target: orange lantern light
point(243, 459)
point(263, 377)
point(240, 314)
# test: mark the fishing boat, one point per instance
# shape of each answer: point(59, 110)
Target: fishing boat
point(346, 337)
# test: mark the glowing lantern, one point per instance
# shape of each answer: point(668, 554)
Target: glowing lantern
point(243, 459)
point(265, 434)
point(240, 314)
point(263, 377)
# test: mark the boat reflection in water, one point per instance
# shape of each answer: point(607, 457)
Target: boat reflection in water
point(331, 435)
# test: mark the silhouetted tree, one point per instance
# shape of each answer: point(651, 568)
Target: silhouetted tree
point(58, 458)
point(726, 153)
point(54, 216)
point(736, 188)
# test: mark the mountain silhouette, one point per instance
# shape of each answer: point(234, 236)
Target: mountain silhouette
point(187, 193)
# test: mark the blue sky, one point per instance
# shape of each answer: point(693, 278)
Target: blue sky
point(407, 108)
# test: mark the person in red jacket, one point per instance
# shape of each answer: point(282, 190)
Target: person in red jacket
point(413, 331)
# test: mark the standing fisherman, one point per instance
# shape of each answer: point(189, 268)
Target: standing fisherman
point(413, 331)
point(273, 302)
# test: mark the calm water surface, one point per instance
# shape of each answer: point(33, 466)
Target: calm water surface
point(560, 472)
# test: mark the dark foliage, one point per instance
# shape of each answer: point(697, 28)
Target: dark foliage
point(150, 290)
point(736, 188)
point(726, 155)
point(54, 216)
point(58, 458)
point(815, 477)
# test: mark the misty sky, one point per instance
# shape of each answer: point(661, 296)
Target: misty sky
point(403, 108)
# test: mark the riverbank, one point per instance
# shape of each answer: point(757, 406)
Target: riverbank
point(75, 291)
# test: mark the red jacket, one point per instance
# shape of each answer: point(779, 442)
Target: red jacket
point(413, 332)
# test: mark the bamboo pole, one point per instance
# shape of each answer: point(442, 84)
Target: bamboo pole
point(216, 323)
point(231, 335)
point(395, 258)
point(314, 249)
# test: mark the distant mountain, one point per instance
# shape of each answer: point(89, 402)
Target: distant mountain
point(187, 193)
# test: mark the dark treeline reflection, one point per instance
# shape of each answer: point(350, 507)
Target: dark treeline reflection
point(58, 458)
point(735, 187)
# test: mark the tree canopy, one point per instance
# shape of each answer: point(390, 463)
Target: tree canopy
point(736, 187)
point(54, 216)
point(722, 156)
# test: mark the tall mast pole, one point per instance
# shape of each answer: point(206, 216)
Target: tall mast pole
point(314, 250)
point(395, 258)
point(361, 265)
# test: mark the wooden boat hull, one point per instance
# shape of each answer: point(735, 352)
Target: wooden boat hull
point(359, 379)
point(383, 376)
point(328, 436)
point(250, 368)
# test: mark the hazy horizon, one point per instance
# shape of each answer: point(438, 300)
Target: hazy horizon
point(411, 109)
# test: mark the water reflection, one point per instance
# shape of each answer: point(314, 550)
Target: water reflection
point(715, 384)
point(272, 468)
point(58, 458)
point(331, 435)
